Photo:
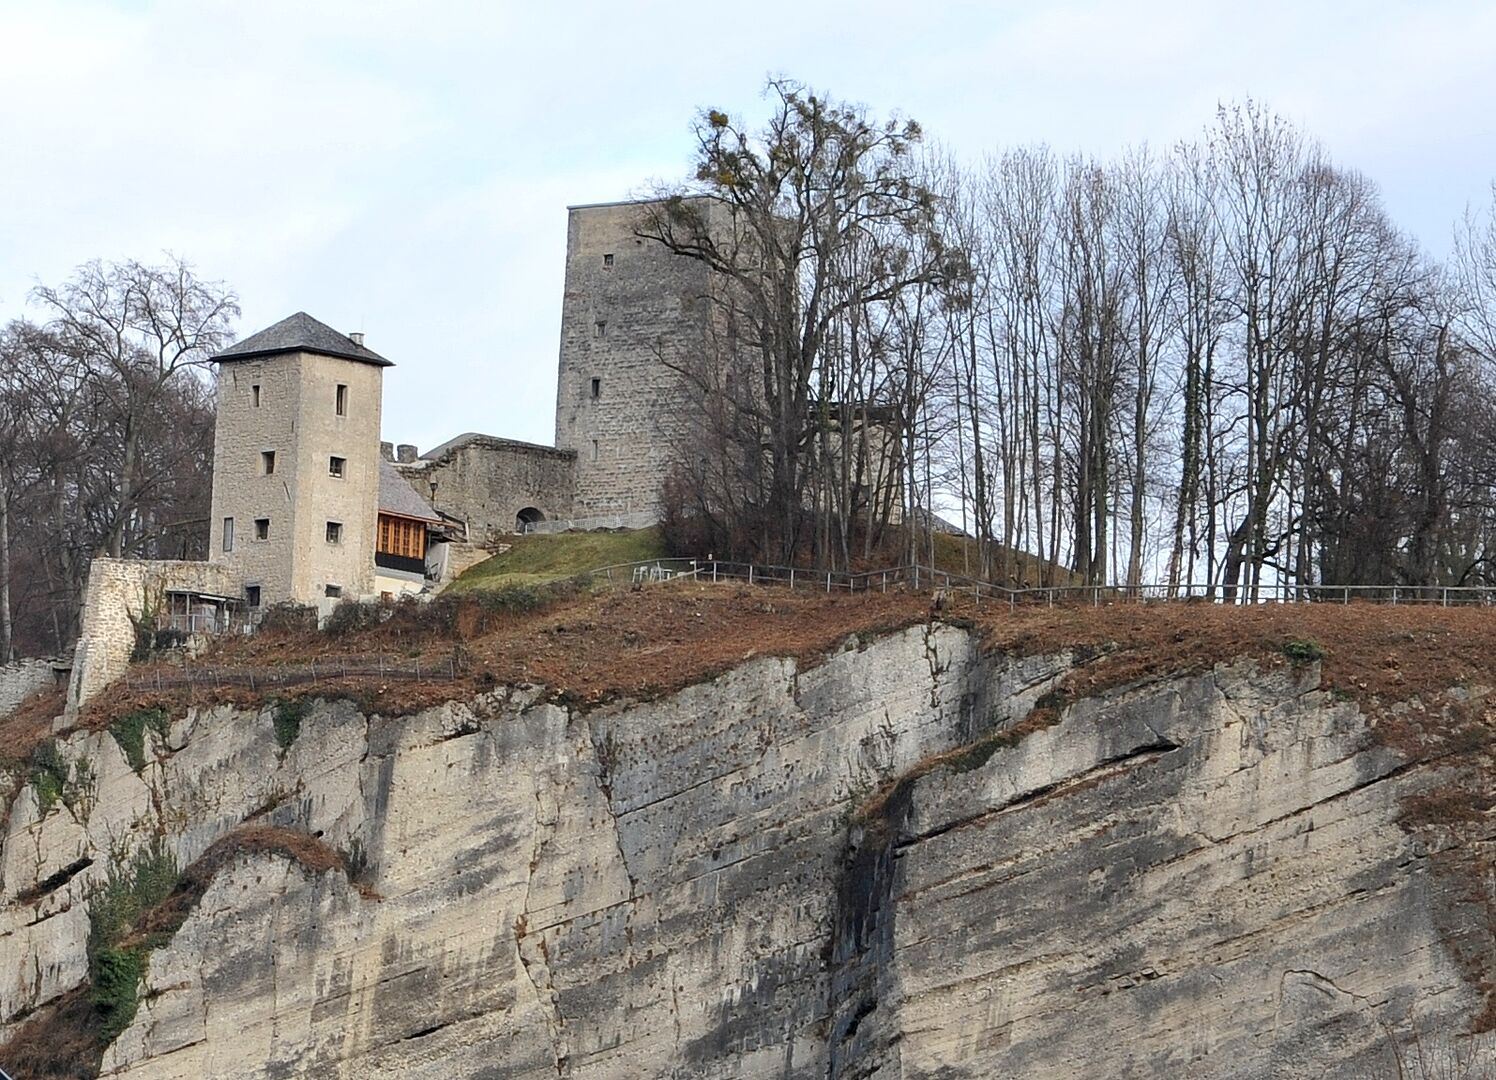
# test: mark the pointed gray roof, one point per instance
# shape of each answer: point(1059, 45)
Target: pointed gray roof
point(300, 333)
point(396, 496)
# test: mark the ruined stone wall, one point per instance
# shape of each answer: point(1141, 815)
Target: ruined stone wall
point(297, 419)
point(1203, 876)
point(487, 481)
point(120, 593)
point(22, 678)
point(629, 306)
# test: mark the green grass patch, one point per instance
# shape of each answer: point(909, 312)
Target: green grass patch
point(287, 714)
point(115, 967)
point(536, 560)
point(1303, 651)
point(48, 775)
point(129, 732)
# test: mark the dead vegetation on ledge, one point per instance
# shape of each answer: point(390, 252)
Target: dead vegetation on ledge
point(66, 1038)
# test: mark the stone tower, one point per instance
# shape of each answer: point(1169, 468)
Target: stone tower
point(629, 306)
point(296, 463)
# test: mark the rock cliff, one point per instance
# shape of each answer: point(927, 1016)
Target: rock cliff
point(856, 869)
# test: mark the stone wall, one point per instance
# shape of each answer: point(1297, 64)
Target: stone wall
point(1202, 876)
point(297, 419)
point(22, 678)
point(629, 307)
point(487, 482)
point(119, 593)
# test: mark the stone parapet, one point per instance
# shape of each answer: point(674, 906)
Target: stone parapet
point(124, 593)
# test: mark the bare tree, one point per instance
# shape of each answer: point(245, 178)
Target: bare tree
point(809, 224)
point(140, 328)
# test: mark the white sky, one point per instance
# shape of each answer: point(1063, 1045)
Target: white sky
point(404, 168)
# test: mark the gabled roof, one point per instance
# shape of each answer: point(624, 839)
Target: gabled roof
point(399, 498)
point(300, 333)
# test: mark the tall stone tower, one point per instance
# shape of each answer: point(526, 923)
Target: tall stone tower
point(296, 462)
point(631, 308)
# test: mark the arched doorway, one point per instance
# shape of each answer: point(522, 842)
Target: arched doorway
point(528, 516)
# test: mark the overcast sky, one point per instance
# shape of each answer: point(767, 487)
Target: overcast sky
point(405, 168)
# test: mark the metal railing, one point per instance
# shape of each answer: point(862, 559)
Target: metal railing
point(213, 676)
point(925, 578)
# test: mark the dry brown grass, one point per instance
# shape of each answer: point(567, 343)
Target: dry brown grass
point(29, 726)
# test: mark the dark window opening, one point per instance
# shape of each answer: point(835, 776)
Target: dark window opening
point(334, 532)
point(335, 466)
point(252, 595)
point(333, 591)
point(255, 391)
point(597, 389)
point(594, 449)
point(600, 328)
point(228, 534)
point(267, 462)
point(608, 262)
point(262, 528)
point(342, 400)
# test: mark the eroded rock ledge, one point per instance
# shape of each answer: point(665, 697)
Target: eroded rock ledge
point(1209, 875)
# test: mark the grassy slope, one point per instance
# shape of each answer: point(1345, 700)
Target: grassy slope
point(958, 555)
point(536, 559)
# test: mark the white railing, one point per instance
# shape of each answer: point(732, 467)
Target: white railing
point(925, 578)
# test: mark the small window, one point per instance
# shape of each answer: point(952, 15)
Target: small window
point(594, 449)
point(262, 528)
point(342, 399)
point(334, 532)
point(255, 394)
point(228, 534)
point(335, 466)
point(597, 389)
point(600, 328)
point(333, 592)
point(252, 595)
point(267, 462)
point(608, 261)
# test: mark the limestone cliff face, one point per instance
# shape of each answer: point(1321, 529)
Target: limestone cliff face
point(1203, 876)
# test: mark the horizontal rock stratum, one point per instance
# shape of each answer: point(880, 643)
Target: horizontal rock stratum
point(922, 857)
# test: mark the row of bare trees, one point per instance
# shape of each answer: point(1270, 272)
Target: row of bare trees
point(1222, 364)
point(106, 436)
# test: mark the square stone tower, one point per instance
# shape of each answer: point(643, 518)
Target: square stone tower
point(631, 308)
point(296, 463)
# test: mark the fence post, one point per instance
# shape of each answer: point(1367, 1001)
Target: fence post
point(792, 577)
point(828, 581)
point(750, 573)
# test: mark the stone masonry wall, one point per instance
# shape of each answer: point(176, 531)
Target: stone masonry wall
point(21, 679)
point(352, 499)
point(120, 592)
point(629, 306)
point(297, 419)
point(486, 482)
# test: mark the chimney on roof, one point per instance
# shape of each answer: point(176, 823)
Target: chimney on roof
point(405, 453)
point(357, 337)
point(387, 451)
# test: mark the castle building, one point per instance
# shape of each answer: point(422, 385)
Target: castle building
point(633, 313)
point(304, 509)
